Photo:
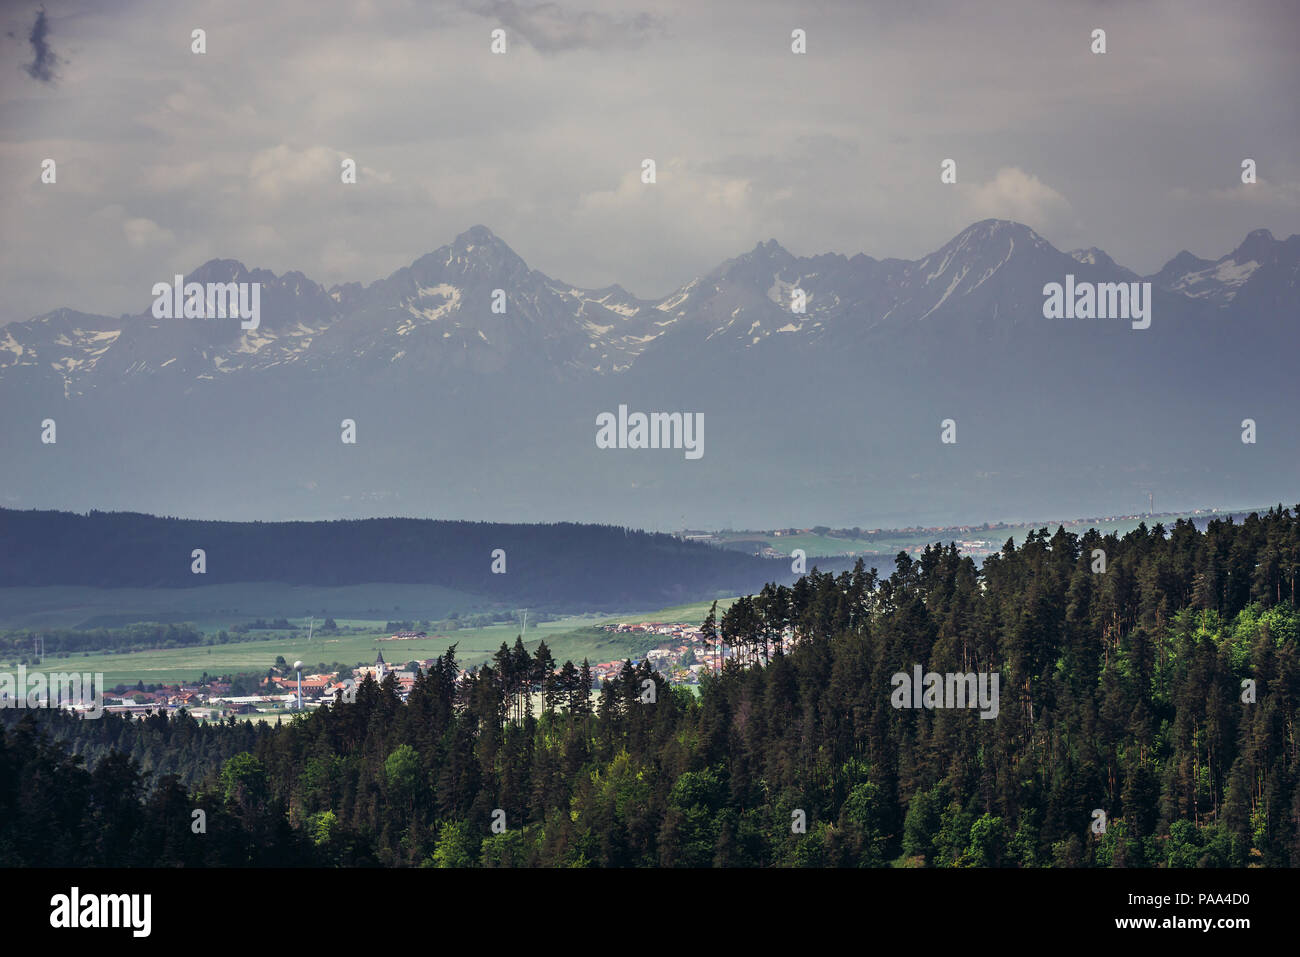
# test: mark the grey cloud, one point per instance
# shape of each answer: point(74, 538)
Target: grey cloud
point(548, 28)
point(44, 58)
point(837, 150)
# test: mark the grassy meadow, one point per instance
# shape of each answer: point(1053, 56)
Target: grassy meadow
point(574, 637)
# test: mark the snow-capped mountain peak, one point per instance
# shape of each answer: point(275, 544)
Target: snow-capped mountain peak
point(474, 304)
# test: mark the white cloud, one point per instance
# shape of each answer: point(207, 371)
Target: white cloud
point(1016, 195)
point(1262, 194)
point(678, 189)
point(273, 173)
point(143, 233)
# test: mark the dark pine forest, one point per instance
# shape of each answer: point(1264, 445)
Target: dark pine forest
point(1125, 691)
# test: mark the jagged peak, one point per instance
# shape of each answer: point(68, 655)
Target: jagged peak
point(988, 228)
point(1182, 264)
point(1186, 257)
point(768, 252)
point(220, 270)
point(1256, 246)
point(615, 290)
point(476, 252)
point(478, 235)
point(987, 239)
point(64, 314)
point(479, 247)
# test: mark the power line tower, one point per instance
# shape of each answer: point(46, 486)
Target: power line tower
point(39, 642)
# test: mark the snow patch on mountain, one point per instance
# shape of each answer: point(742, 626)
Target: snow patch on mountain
point(251, 344)
point(956, 281)
point(450, 301)
point(781, 292)
point(620, 308)
point(992, 269)
point(678, 298)
point(1227, 274)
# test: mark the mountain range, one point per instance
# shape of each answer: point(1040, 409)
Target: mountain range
point(831, 415)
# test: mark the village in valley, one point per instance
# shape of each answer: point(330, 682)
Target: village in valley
point(679, 654)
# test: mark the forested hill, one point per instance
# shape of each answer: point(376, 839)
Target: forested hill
point(1162, 693)
point(596, 565)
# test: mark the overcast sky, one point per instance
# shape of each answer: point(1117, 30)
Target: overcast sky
point(167, 159)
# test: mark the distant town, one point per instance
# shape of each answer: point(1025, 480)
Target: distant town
point(679, 655)
point(977, 541)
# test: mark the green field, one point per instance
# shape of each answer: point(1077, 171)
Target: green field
point(575, 637)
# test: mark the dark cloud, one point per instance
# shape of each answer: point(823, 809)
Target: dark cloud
point(548, 28)
point(44, 60)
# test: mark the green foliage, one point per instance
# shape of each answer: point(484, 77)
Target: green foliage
point(690, 830)
point(322, 827)
point(66, 641)
point(986, 842)
point(402, 771)
point(455, 847)
point(920, 827)
point(115, 550)
point(511, 848)
point(243, 780)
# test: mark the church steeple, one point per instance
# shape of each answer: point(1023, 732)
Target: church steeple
point(381, 667)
